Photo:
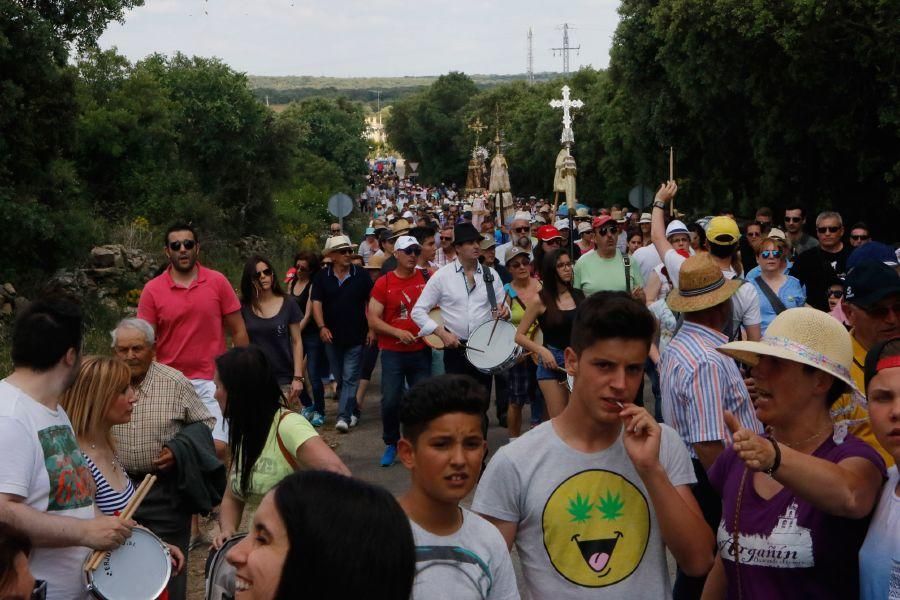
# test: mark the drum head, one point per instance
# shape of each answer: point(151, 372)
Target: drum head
point(219, 573)
point(434, 340)
point(139, 569)
point(490, 356)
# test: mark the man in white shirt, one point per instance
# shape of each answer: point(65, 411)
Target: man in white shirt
point(459, 288)
point(46, 488)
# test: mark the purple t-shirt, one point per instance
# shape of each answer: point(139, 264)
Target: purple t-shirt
point(789, 548)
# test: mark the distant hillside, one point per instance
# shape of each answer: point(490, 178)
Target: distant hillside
point(281, 90)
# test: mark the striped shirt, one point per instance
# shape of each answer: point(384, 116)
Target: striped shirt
point(698, 384)
point(108, 500)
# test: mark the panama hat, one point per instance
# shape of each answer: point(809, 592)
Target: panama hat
point(399, 227)
point(702, 286)
point(803, 335)
point(376, 261)
point(337, 242)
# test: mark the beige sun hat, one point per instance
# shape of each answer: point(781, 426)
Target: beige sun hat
point(702, 286)
point(376, 261)
point(337, 242)
point(803, 335)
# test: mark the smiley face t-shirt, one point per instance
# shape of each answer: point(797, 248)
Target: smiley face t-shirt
point(585, 521)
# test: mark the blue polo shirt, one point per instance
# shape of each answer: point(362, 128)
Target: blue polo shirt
point(344, 303)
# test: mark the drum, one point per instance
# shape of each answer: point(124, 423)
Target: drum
point(219, 572)
point(139, 569)
point(433, 339)
point(498, 355)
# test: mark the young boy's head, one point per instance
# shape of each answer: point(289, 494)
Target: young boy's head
point(611, 338)
point(443, 443)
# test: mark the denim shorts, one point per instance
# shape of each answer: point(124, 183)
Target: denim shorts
point(544, 373)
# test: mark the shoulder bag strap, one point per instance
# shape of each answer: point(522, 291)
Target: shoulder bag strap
point(627, 260)
point(489, 284)
point(773, 298)
point(288, 456)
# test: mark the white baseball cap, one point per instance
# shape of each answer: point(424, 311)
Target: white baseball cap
point(405, 241)
point(561, 224)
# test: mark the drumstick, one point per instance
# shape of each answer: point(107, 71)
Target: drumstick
point(473, 349)
point(133, 503)
point(497, 318)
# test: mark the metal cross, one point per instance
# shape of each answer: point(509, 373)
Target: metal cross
point(477, 126)
point(568, 136)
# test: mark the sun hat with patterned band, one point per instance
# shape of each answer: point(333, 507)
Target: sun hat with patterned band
point(803, 335)
point(702, 286)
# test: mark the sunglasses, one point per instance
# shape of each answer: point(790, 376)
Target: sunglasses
point(753, 234)
point(267, 272)
point(771, 253)
point(607, 230)
point(835, 293)
point(302, 269)
point(859, 237)
point(40, 590)
point(412, 250)
point(522, 229)
point(446, 239)
point(519, 264)
point(828, 229)
point(176, 246)
point(345, 251)
point(793, 219)
point(553, 242)
point(881, 312)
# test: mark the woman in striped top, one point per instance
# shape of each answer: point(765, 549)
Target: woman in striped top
point(101, 397)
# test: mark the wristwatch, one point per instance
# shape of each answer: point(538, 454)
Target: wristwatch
point(659, 204)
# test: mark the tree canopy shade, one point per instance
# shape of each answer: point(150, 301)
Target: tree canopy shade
point(765, 103)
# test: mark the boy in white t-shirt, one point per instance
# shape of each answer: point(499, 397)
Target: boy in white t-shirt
point(46, 489)
point(459, 555)
point(593, 498)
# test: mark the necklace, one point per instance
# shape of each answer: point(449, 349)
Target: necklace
point(802, 442)
point(115, 459)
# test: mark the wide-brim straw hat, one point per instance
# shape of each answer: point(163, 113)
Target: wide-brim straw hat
point(803, 335)
point(337, 242)
point(701, 285)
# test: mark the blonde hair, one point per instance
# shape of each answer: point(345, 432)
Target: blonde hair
point(100, 380)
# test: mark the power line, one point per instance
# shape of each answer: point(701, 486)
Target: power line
point(566, 48)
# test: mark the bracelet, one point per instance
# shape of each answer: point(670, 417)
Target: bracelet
point(659, 204)
point(299, 378)
point(777, 462)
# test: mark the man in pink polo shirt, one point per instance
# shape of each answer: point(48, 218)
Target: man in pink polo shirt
point(190, 307)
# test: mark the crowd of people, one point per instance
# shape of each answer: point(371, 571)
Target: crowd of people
point(766, 465)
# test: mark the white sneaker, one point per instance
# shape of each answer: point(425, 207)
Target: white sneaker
point(354, 420)
point(342, 426)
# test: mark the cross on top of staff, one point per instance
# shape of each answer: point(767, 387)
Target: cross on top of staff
point(568, 136)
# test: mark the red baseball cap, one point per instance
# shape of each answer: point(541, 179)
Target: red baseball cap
point(601, 221)
point(545, 233)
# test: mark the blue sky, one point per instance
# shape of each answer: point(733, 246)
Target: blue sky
point(348, 38)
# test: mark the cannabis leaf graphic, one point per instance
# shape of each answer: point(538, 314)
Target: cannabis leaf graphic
point(580, 508)
point(611, 506)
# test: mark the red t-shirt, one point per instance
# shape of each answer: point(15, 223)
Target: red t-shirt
point(188, 321)
point(398, 296)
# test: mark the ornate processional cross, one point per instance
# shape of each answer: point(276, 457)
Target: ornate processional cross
point(568, 136)
point(477, 126)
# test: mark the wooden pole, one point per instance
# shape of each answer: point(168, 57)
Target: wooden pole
point(672, 178)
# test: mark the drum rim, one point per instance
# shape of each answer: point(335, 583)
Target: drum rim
point(507, 362)
point(94, 590)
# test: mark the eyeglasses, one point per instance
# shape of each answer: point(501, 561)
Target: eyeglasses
point(859, 237)
point(411, 250)
point(176, 245)
point(267, 272)
point(607, 230)
point(881, 311)
point(522, 229)
point(793, 219)
point(771, 253)
point(834, 229)
point(564, 265)
point(835, 293)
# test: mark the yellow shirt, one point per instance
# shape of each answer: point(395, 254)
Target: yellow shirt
point(846, 409)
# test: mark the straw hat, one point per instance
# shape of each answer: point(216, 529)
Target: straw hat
point(702, 286)
point(376, 261)
point(337, 242)
point(803, 335)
